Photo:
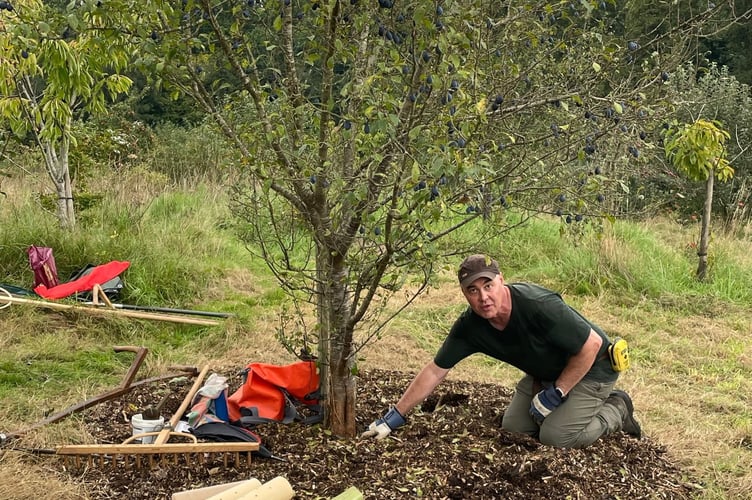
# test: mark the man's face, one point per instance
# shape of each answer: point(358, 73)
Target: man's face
point(486, 296)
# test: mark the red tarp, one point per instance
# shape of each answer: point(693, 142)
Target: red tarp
point(97, 276)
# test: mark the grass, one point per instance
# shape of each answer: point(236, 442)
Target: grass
point(691, 359)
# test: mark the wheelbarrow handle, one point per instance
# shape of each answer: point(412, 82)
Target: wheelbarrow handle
point(191, 370)
point(124, 387)
point(135, 365)
point(124, 348)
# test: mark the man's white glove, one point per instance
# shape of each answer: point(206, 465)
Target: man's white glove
point(382, 427)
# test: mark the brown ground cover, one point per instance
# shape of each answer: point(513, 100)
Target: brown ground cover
point(452, 449)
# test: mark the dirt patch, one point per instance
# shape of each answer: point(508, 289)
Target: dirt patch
point(452, 449)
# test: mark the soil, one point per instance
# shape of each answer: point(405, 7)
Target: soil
point(452, 449)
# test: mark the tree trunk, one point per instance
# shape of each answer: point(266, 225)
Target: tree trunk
point(335, 345)
point(65, 212)
point(340, 406)
point(59, 171)
point(702, 249)
point(56, 162)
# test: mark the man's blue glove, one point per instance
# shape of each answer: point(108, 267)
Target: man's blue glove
point(382, 427)
point(545, 402)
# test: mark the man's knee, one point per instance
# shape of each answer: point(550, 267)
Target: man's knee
point(557, 440)
point(522, 424)
point(560, 438)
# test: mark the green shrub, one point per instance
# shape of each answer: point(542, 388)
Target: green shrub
point(188, 155)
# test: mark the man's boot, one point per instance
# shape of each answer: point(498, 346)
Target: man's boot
point(623, 402)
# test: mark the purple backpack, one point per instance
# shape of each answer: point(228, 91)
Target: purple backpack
point(43, 264)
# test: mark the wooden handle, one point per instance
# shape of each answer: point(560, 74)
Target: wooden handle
point(135, 365)
point(156, 433)
point(98, 293)
point(191, 370)
point(107, 311)
point(164, 435)
point(129, 348)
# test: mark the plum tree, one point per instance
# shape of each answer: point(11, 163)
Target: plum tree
point(472, 114)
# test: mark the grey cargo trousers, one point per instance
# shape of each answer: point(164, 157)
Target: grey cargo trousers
point(577, 423)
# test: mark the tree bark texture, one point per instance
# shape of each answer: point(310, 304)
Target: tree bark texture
point(59, 171)
point(335, 345)
point(65, 212)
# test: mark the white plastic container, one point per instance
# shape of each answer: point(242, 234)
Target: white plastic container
point(141, 425)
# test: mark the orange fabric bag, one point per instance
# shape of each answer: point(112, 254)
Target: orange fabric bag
point(268, 390)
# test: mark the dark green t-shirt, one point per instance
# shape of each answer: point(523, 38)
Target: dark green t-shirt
point(542, 334)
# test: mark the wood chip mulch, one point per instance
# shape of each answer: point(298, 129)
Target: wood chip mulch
point(452, 449)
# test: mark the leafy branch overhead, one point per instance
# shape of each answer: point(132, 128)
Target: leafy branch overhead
point(699, 150)
point(466, 107)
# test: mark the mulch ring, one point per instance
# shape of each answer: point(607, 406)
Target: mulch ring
point(452, 449)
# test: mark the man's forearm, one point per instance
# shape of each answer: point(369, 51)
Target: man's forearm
point(580, 363)
point(422, 385)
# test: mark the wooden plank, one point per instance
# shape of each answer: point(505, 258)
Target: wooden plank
point(276, 489)
point(237, 492)
point(207, 491)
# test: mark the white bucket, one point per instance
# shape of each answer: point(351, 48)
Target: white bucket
point(141, 425)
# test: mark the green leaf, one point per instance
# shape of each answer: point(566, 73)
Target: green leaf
point(415, 172)
point(415, 132)
point(74, 22)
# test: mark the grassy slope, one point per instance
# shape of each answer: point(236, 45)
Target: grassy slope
point(692, 363)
